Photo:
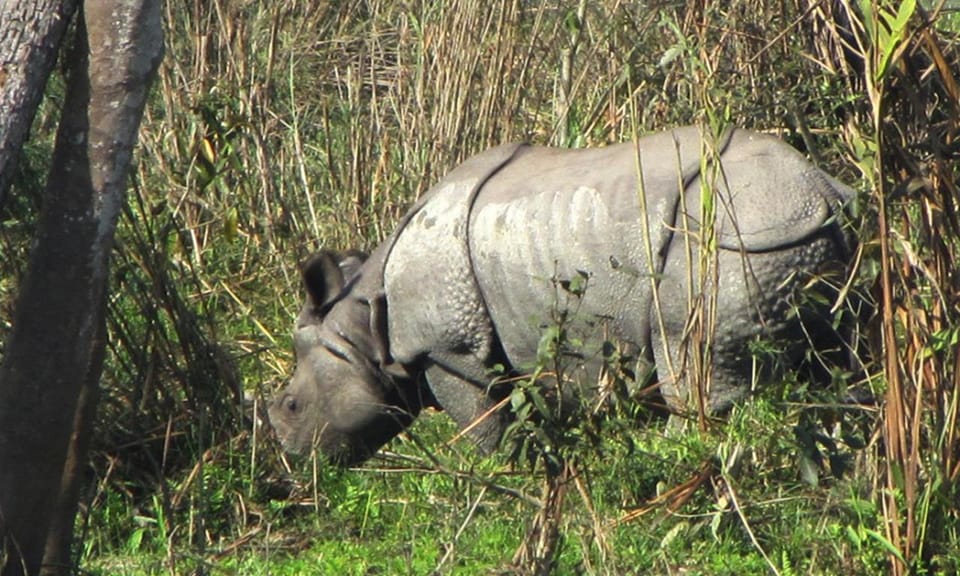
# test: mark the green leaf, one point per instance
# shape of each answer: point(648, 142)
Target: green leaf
point(135, 540)
point(517, 398)
point(547, 347)
point(572, 23)
point(578, 284)
point(904, 13)
point(539, 401)
point(669, 56)
point(884, 543)
point(231, 224)
point(809, 472)
point(891, 39)
point(854, 537)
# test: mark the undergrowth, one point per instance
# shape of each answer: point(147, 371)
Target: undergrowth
point(277, 128)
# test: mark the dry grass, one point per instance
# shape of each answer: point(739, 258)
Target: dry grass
point(318, 126)
point(280, 127)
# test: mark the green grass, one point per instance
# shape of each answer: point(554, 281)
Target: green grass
point(278, 128)
point(410, 521)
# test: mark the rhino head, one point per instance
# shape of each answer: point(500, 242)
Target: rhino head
point(345, 397)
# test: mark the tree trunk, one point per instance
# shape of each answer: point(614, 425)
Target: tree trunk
point(54, 348)
point(58, 557)
point(31, 31)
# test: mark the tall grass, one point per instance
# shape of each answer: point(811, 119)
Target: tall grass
point(903, 143)
point(277, 128)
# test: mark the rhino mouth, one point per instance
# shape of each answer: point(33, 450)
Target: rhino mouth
point(345, 449)
point(350, 450)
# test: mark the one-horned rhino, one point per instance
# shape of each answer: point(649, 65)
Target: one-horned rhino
point(467, 281)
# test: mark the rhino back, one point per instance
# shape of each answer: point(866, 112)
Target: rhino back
point(552, 214)
point(767, 195)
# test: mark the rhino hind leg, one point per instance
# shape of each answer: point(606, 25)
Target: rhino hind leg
point(754, 309)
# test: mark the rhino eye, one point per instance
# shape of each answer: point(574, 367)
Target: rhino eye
point(290, 404)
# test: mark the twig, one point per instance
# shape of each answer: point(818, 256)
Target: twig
point(746, 525)
point(463, 526)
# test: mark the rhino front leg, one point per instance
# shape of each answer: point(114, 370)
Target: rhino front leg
point(469, 405)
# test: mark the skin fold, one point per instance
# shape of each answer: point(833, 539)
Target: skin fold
point(475, 272)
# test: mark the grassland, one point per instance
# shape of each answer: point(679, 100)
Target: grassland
point(277, 128)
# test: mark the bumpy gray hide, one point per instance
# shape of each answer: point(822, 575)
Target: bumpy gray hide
point(470, 277)
point(472, 271)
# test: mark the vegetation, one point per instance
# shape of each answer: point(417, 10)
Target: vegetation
point(277, 128)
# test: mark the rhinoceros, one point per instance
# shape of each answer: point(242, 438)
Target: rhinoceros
point(467, 282)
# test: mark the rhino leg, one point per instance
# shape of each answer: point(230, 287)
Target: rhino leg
point(755, 302)
point(469, 404)
point(687, 342)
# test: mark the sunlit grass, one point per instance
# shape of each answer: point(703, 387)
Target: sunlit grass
point(278, 128)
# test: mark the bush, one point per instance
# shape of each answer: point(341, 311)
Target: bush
point(280, 127)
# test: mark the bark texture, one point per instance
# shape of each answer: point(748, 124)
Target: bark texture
point(30, 33)
point(57, 343)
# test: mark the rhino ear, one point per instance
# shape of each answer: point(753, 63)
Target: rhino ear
point(326, 273)
point(350, 263)
point(322, 277)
